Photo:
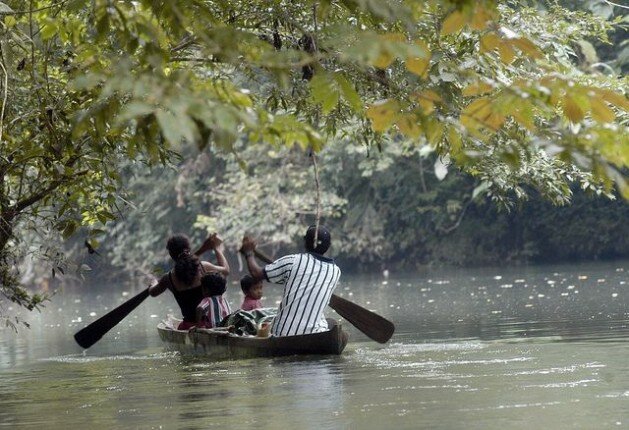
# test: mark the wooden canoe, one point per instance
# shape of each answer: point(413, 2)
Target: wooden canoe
point(221, 344)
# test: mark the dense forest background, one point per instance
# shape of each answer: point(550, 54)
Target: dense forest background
point(393, 206)
point(423, 133)
point(381, 215)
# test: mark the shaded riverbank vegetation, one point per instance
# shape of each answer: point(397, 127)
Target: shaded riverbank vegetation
point(440, 128)
point(381, 215)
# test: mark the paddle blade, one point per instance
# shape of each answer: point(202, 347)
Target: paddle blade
point(373, 325)
point(91, 334)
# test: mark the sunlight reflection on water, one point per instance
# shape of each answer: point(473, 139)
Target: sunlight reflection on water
point(90, 359)
point(479, 349)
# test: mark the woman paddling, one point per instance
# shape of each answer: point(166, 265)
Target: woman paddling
point(184, 280)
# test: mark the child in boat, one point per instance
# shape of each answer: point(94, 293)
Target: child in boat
point(253, 293)
point(213, 308)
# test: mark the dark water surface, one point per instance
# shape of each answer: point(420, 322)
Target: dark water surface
point(517, 348)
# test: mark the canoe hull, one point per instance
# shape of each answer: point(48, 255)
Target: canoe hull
point(225, 345)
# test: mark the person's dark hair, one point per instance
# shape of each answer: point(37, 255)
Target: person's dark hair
point(186, 263)
point(323, 239)
point(213, 284)
point(246, 282)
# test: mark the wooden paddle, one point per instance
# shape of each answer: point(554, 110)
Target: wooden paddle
point(373, 325)
point(91, 334)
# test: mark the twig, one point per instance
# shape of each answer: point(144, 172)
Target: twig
point(616, 4)
point(421, 175)
point(194, 59)
point(30, 11)
point(127, 202)
point(458, 221)
point(6, 92)
point(318, 197)
point(187, 41)
point(312, 153)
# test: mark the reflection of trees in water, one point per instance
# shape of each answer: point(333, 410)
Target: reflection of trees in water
point(260, 392)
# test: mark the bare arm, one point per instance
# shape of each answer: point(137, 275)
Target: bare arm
point(247, 248)
point(221, 261)
point(254, 269)
point(214, 242)
point(159, 287)
point(210, 267)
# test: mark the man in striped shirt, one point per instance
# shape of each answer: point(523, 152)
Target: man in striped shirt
point(309, 280)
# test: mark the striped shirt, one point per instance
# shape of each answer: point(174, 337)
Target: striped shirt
point(213, 310)
point(309, 281)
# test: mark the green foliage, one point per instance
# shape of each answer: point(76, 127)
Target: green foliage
point(385, 208)
point(272, 198)
point(488, 86)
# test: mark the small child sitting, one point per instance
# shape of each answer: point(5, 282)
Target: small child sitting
point(213, 308)
point(253, 293)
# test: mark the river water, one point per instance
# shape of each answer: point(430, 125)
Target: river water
point(517, 348)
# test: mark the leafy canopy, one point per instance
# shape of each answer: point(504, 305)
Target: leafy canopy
point(86, 85)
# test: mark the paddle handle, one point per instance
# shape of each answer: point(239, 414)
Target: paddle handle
point(370, 323)
point(262, 256)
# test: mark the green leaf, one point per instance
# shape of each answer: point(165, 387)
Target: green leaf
point(349, 93)
point(87, 81)
point(527, 47)
point(69, 229)
point(572, 110)
point(489, 42)
point(614, 98)
point(169, 127)
point(522, 112)
point(49, 30)
point(434, 131)
point(323, 92)
point(134, 110)
point(453, 23)
point(419, 65)
point(409, 125)
point(476, 89)
point(455, 141)
point(506, 52)
point(480, 17)
point(390, 45)
point(382, 114)
point(600, 111)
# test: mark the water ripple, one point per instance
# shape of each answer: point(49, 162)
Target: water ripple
point(77, 358)
point(568, 384)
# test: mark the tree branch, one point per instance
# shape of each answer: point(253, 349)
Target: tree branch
point(421, 175)
point(616, 4)
point(35, 197)
point(30, 11)
point(458, 221)
point(187, 41)
point(6, 93)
